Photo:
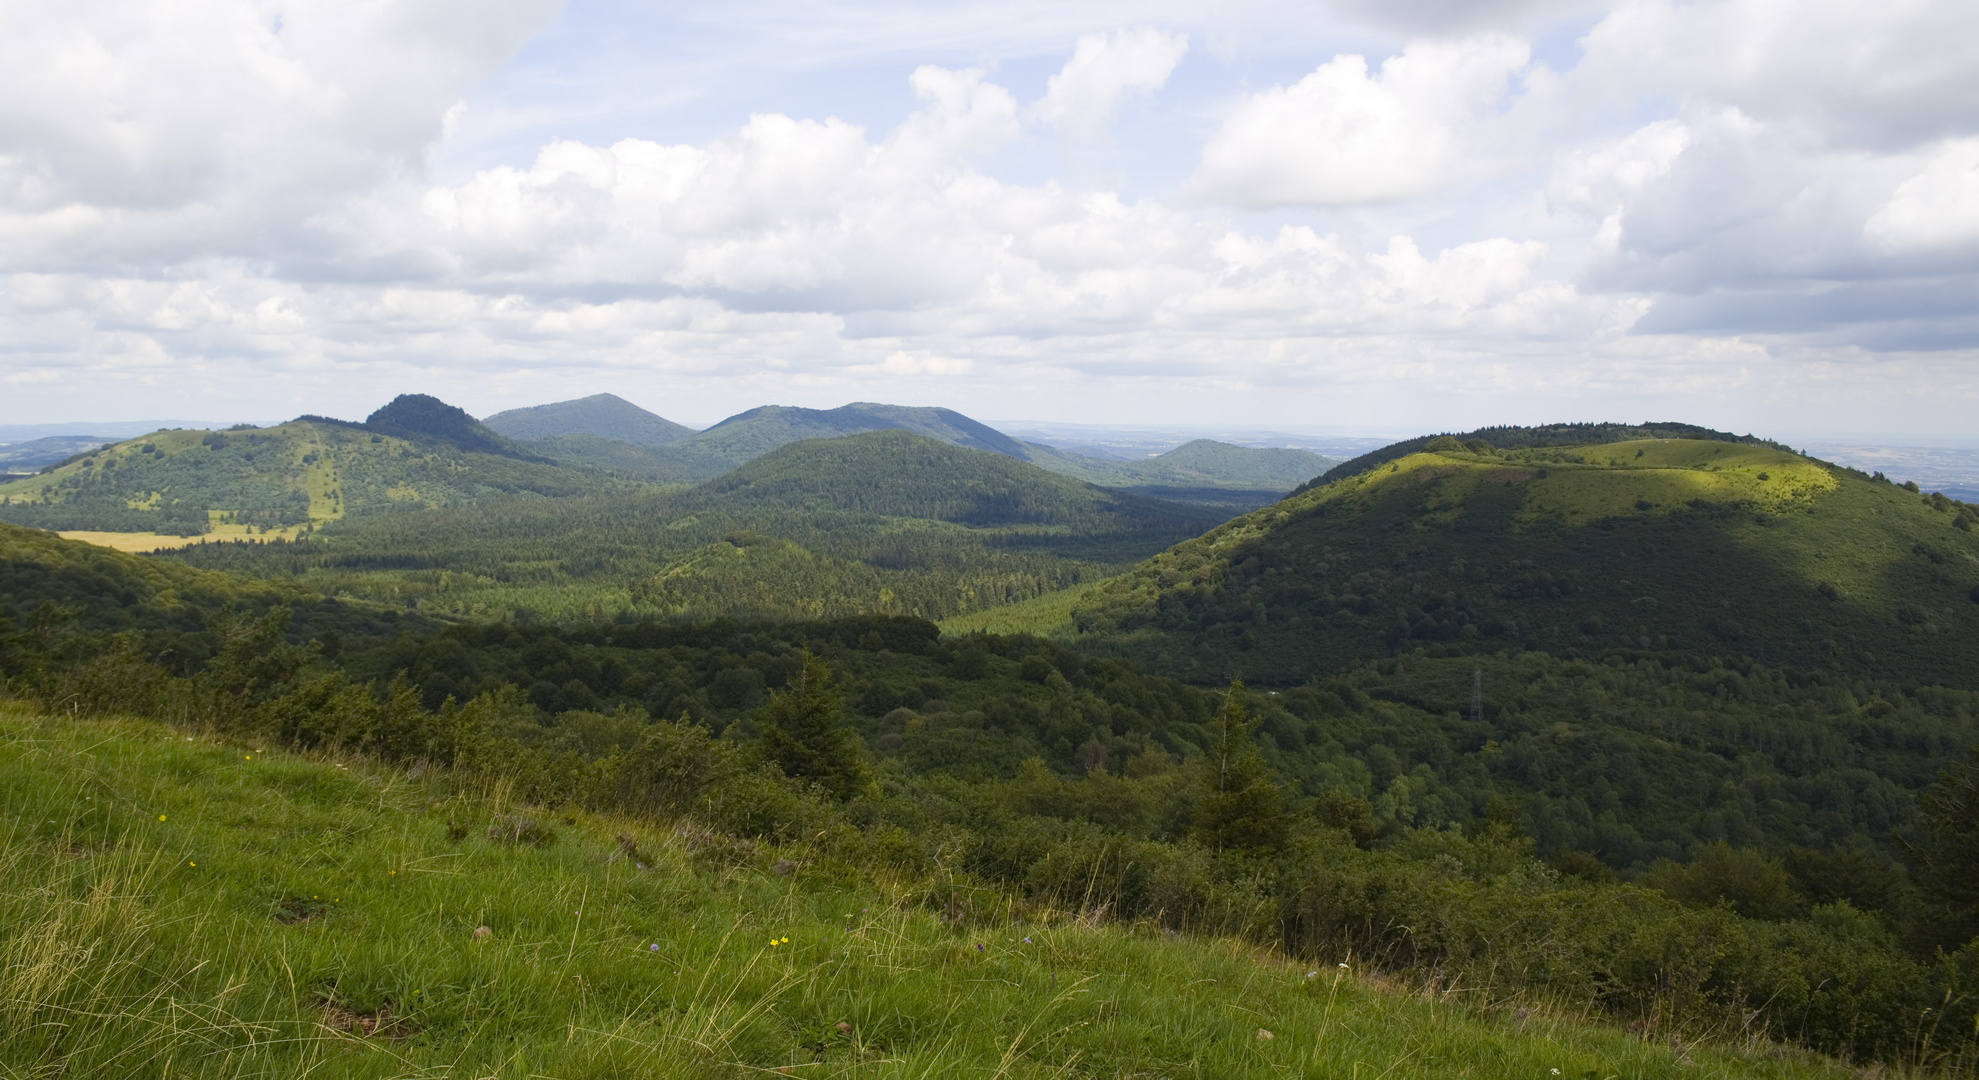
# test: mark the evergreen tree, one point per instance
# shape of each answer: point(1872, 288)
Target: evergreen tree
point(804, 732)
point(1240, 808)
point(1947, 848)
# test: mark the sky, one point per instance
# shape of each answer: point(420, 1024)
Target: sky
point(1399, 216)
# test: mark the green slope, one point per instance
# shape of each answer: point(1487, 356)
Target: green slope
point(1514, 437)
point(1695, 547)
point(427, 419)
point(1203, 463)
point(625, 459)
point(749, 435)
point(606, 416)
point(37, 454)
point(884, 522)
point(972, 830)
point(185, 907)
point(1232, 478)
point(897, 473)
point(54, 588)
point(414, 453)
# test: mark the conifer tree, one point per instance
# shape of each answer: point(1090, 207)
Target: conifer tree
point(1240, 808)
point(804, 732)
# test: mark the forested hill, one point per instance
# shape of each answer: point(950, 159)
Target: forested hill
point(615, 435)
point(309, 470)
point(1509, 437)
point(880, 522)
point(896, 473)
point(1201, 464)
point(606, 416)
point(426, 419)
point(1675, 548)
point(749, 435)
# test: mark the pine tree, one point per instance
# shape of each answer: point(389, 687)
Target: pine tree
point(804, 732)
point(1240, 808)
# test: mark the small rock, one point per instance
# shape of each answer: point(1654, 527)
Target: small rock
point(1264, 1036)
point(482, 933)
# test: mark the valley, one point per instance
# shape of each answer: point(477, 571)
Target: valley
point(1643, 724)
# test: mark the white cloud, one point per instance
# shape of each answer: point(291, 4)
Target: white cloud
point(1342, 135)
point(1936, 209)
point(155, 131)
point(1602, 179)
point(1853, 72)
point(1103, 71)
point(197, 199)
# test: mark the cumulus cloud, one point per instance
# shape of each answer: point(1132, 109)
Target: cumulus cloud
point(902, 235)
point(1936, 209)
point(1886, 75)
point(1344, 135)
point(225, 194)
point(154, 131)
point(1104, 70)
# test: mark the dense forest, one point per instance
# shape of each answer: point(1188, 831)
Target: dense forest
point(1008, 764)
point(885, 521)
point(1646, 548)
point(1680, 730)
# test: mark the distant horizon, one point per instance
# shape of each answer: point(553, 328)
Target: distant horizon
point(17, 432)
point(1944, 464)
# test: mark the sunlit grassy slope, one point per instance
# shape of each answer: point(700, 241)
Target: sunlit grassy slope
point(181, 907)
point(1696, 546)
point(1047, 616)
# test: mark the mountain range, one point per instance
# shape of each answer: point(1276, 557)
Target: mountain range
point(1489, 674)
point(419, 452)
point(609, 432)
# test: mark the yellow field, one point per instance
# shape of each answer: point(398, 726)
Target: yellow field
point(143, 542)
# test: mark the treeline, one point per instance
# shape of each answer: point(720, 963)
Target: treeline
point(1191, 832)
point(655, 556)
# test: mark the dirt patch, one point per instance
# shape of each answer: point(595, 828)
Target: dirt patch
point(517, 829)
point(379, 1025)
point(291, 910)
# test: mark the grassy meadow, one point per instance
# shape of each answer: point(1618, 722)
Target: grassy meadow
point(175, 905)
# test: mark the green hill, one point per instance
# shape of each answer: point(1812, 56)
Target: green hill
point(205, 908)
point(629, 460)
point(606, 416)
point(1650, 547)
point(1511, 437)
point(1003, 788)
point(36, 454)
point(749, 435)
point(881, 522)
point(897, 473)
point(414, 453)
point(424, 418)
point(1235, 479)
point(51, 588)
point(1217, 475)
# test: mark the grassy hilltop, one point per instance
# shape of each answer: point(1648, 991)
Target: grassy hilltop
point(1696, 546)
point(977, 788)
point(1718, 785)
point(197, 907)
